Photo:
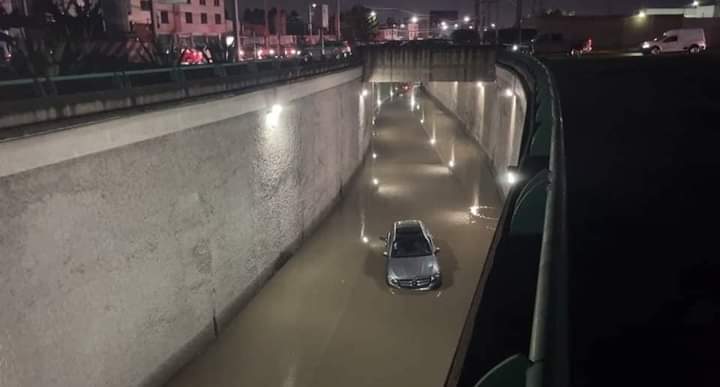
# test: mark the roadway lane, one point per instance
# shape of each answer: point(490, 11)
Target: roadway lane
point(327, 318)
point(642, 138)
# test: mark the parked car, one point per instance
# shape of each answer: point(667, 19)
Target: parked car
point(333, 50)
point(690, 40)
point(411, 257)
point(558, 44)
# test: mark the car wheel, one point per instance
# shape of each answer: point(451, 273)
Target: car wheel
point(655, 50)
point(694, 50)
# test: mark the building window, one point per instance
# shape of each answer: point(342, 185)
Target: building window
point(218, 18)
point(188, 17)
point(216, 3)
point(203, 2)
point(203, 18)
point(164, 17)
point(145, 5)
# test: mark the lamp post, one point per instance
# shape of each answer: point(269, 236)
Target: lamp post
point(238, 56)
point(311, 14)
point(229, 40)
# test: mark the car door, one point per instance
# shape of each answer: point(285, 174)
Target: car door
point(388, 244)
point(671, 44)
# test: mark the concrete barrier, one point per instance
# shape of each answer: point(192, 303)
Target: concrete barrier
point(126, 244)
point(493, 113)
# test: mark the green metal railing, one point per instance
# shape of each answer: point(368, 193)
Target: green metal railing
point(535, 211)
point(548, 351)
point(29, 102)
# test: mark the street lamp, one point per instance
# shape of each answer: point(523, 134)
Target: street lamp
point(311, 13)
point(414, 19)
point(229, 40)
point(466, 19)
point(695, 3)
point(373, 14)
point(492, 25)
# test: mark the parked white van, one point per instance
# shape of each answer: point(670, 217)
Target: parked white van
point(690, 40)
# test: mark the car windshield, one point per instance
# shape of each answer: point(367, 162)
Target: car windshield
point(410, 245)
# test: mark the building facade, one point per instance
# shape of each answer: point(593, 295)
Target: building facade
point(185, 20)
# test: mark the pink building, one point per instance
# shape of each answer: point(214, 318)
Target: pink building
point(188, 20)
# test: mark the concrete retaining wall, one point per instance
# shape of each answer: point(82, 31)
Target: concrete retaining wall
point(123, 243)
point(493, 113)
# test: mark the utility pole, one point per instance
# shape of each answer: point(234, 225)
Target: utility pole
point(477, 15)
point(237, 30)
point(153, 20)
point(518, 21)
point(267, 26)
point(337, 22)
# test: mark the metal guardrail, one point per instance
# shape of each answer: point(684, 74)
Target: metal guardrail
point(538, 203)
point(29, 102)
point(63, 85)
point(549, 344)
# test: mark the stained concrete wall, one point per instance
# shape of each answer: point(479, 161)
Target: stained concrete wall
point(123, 242)
point(429, 63)
point(492, 112)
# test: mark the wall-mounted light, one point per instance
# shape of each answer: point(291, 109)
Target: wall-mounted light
point(512, 176)
point(364, 92)
point(375, 181)
point(451, 164)
point(641, 14)
point(374, 156)
point(433, 141)
point(509, 92)
point(365, 239)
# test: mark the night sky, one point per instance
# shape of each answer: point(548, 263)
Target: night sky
point(507, 8)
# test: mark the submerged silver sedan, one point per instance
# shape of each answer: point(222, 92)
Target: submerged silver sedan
point(411, 261)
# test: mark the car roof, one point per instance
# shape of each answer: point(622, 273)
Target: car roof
point(409, 226)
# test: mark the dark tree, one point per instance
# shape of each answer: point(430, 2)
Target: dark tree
point(272, 15)
point(254, 16)
point(295, 25)
point(358, 25)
